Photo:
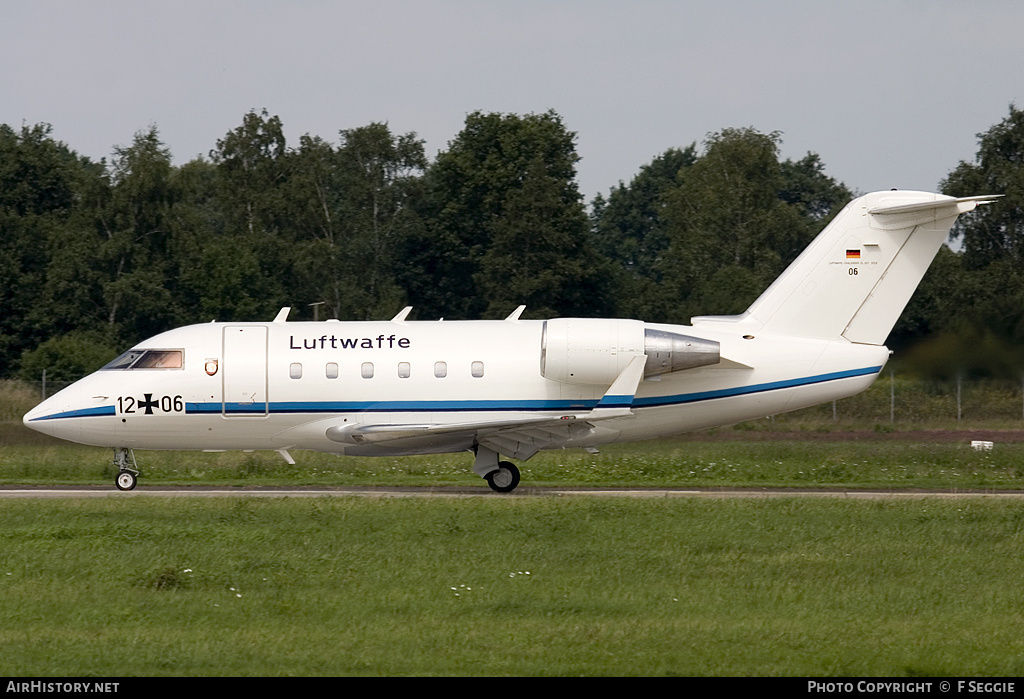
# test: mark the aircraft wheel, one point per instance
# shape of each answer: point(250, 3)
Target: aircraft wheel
point(126, 480)
point(505, 479)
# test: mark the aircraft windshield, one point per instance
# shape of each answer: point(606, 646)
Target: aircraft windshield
point(147, 359)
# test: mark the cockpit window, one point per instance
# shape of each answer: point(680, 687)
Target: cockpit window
point(147, 359)
point(125, 360)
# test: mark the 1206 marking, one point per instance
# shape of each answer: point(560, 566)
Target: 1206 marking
point(129, 405)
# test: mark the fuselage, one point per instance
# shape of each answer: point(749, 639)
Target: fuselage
point(281, 385)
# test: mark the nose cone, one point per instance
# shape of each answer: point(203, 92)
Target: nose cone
point(83, 412)
point(45, 418)
point(32, 415)
point(59, 415)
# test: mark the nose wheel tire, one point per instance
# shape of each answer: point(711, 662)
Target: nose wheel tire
point(126, 480)
point(127, 470)
point(505, 479)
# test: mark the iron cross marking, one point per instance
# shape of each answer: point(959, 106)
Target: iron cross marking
point(149, 403)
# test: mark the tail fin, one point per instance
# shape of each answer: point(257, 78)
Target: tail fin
point(855, 278)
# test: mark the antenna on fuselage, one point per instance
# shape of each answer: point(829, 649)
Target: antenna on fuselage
point(514, 315)
point(282, 315)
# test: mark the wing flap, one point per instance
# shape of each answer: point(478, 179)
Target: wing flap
point(372, 434)
point(519, 437)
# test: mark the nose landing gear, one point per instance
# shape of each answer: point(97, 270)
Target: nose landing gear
point(127, 469)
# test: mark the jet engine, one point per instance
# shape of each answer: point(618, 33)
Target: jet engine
point(594, 351)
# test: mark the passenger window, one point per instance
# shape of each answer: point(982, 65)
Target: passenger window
point(440, 370)
point(332, 370)
point(366, 371)
point(477, 369)
point(295, 371)
point(403, 370)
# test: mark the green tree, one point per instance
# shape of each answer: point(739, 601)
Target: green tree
point(630, 230)
point(935, 303)
point(47, 192)
point(629, 226)
point(252, 168)
point(137, 291)
point(356, 207)
point(210, 266)
point(114, 274)
point(539, 254)
point(816, 196)
point(975, 299)
point(67, 357)
point(996, 231)
point(736, 219)
point(464, 265)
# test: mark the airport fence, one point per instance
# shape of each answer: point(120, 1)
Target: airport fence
point(905, 400)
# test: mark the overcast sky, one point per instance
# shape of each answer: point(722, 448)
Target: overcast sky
point(889, 94)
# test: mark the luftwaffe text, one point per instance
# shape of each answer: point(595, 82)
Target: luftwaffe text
point(334, 342)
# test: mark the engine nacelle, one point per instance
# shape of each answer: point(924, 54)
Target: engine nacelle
point(594, 351)
point(589, 350)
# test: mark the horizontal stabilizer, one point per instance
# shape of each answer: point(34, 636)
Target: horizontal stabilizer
point(963, 205)
point(854, 280)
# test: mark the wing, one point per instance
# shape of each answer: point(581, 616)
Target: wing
point(519, 438)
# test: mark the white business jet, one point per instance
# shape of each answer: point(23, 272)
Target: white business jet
point(513, 387)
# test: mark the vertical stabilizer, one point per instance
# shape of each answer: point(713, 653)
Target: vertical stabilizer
point(855, 278)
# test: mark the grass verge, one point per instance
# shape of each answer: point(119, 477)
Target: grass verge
point(511, 586)
point(786, 462)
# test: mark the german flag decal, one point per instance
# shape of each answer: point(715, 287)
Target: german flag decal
point(853, 254)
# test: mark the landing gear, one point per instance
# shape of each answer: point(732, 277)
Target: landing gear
point(505, 479)
point(502, 476)
point(128, 471)
point(126, 480)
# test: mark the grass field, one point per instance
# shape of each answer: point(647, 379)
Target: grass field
point(500, 585)
point(511, 586)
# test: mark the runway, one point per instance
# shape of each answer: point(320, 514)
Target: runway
point(102, 491)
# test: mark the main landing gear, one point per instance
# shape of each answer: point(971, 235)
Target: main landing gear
point(505, 479)
point(502, 476)
point(127, 470)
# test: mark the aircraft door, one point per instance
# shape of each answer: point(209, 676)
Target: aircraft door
point(244, 373)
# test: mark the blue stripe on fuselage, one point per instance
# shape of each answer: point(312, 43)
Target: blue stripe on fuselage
point(531, 405)
point(747, 390)
point(82, 412)
point(293, 407)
